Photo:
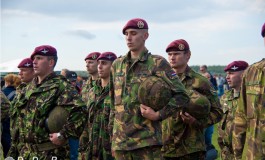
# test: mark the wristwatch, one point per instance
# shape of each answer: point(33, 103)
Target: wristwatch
point(59, 136)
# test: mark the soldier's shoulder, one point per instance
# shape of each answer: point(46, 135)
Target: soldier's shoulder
point(199, 79)
point(226, 94)
point(255, 68)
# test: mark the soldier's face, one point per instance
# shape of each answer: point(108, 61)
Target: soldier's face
point(26, 74)
point(91, 66)
point(42, 65)
point(104, 69)
point(135, 39)
point(234, 79)
point(178, 59)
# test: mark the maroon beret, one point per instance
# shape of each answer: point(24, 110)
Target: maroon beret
point(136, 23)
point(92, 56)
point(44, 50)
point(236, 66)
point(263, 30)
point(25, 63)
point(109, 56)
point(178, 45)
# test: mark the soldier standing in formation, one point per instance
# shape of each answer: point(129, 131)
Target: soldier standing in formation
point(99, 146)
point(186, 137)
point(44, 93)
point(92, 69)
point(137, 128)
point(17, 111)
point(250, 114)
point(229, 102)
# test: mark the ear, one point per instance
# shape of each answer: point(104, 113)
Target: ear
point(51, 62)
point(146, 35)
point(188, 55)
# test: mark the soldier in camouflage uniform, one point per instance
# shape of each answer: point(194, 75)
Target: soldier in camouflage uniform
point(5, 110)
point(229, 102)
point(44, 93)
point(183, 133)
point(91, 66)
point(136, 127)
point(26, 75)
point(249, 124)
point(99, 146)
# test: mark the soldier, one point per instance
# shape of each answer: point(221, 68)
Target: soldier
point(46, 92)
point(72, 77)
point(186, 139)
point(136, 127)
point(5, 107)
point(26, 75)
point(229, 104)
point(91, 66)
point(250, 114)
point(99, 111)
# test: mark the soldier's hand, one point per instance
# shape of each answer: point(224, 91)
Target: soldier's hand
point(55, 140)
point(149, 113)
point(187, 118)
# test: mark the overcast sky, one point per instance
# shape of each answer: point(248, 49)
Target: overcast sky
point(218, 31)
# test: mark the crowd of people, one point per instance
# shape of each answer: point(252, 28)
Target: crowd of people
point(46, 116)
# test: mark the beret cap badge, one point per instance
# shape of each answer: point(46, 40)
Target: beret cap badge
point(140, 24)
point(181, 47)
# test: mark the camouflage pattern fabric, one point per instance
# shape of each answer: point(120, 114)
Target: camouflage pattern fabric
point(53, 91)
point(181, 139)
point(84, 138)
point(130, 129)
point(229, 102)
point(5, 106)
point(146, 153)
point(250, 114)
point(99, 146)
point(154, 92)
point(86, 87)
point(17, 114)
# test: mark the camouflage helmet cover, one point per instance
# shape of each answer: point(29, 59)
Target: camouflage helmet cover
point(57, 119)
point(154, 92)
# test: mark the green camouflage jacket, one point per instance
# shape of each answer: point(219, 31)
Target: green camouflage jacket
point(250, 114)
point(229, 102)
point(5, 106)
point(86, 87)
point(130, 129)
point(84, 138)
point(99, 146)
point(180, 138)
point(53, 91)
point(17, 111)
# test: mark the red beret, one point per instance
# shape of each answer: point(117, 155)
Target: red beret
point(109, 56)
point(92, 56)
point(263, 30)
point(25, 63)
point(178, 45)
point(136, 23)
point(44, 50)
point(236, 66)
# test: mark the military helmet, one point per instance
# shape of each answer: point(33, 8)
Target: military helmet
point(199, 106)
point(154, 92)
point(56, 119)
